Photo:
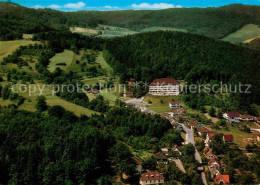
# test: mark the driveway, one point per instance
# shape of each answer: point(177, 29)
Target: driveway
point(179, 164)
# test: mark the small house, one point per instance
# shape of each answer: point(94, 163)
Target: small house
point(228, 138)
point(194, 124)
point(176, 111)
point(203, 131)
point(177, 149)
point(210, 155)
point(246, 118)
point(174, 105)
point(222, 179)
point(128, 94)
point(232, 117)
point(161, 157)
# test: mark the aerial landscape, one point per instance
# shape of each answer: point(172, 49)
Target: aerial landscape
point(129, 92)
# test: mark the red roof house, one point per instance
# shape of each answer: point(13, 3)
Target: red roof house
point(151, 178)
point(222, 179)
point(128, 94)
point(203, 130)
point(210, 155)
point(228, 138)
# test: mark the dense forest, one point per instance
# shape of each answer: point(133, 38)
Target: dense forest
point(212, 22)
point(60, 148)
point(193, 58)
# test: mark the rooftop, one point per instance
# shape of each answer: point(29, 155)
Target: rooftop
point(164, 81)
point(151, 176)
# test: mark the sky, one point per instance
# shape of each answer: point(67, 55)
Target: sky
point(75, 5)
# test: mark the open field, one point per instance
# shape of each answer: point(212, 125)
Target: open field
point(245, 34)
point(65, 57)
point(8, 47)
point(154, 28)
point(240, 137)
point(158, 106)
point(51, 99)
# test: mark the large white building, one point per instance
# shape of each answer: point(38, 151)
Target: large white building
point(164, 87)
point(151, 178)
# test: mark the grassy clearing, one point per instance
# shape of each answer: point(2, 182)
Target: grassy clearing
point(65, 57)
point(240, 137)
point(8, 47)
point(157, 105)
point(51, 100)
point(154, 28)
point(248, 31)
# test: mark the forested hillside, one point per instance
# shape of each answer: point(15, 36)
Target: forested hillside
point(212, 22)
point(60, 148)
point(186, 57)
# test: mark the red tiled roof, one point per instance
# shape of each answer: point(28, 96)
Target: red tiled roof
point(258, 135)
point(228, 137)
point(224, 177)
point(257, 118)
point(205, 149)
point(211, 134)
point(128, 92)
point(164, 81)
point(193, 123)
point(209, 152)
point(211, 161)
point(203, 130)
point(233, 114)
point(151, 176)
point(174, 102)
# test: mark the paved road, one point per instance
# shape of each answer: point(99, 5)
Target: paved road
point(179, 165)
point(190, 139)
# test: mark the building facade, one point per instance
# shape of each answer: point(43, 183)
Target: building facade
point(164, 87)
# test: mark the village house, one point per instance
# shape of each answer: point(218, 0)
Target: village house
point(214, 171)
point(161, 158)
point(130, 83)
point(228, 138)
point(181, 118)
point(232, 117)
point(194, 124)
point(176, 111)
point(203, 131)
point(213, 162)
point(258, 137)
point(246, 118)
point(164, 87)
point(151, 178)
point(209, 137)
point(176, 126)
point(222, 179)
point(210, 155)
point(128, 94)
point(177, 149)
point(174, 104)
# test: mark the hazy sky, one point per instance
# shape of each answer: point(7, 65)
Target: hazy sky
point(73, 5)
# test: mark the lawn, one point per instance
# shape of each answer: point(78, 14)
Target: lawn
point(248, 31)
point(65, 57)
point(154, 28)
point(8, 47)
point(51, 100)
point(240, 137)
point(157, 105)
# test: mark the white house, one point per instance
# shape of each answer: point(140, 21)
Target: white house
point(151, 178)
point(232, 117)
point(164, 87)
point(174, 104)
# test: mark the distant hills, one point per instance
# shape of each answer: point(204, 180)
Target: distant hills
point(211, 22)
